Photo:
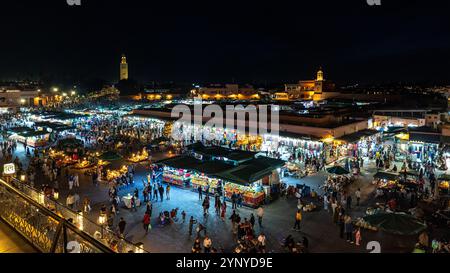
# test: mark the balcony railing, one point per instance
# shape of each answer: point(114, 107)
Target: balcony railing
point(51, 227)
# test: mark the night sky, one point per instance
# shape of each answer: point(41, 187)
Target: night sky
point(221, 41)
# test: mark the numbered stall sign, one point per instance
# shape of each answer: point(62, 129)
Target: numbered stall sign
point(9, 169)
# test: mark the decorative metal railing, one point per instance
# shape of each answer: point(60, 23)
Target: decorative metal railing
point(52, 227)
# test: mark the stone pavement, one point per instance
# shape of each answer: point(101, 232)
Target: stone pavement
point(317, 226)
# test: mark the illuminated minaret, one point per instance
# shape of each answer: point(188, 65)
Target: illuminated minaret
point(318, 84)
point(319, 75)
point(123, 68)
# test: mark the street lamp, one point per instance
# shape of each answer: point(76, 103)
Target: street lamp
point(73, 93)
point(102, 221)
point(55, 89)
point(56, 195)
point(80, 219)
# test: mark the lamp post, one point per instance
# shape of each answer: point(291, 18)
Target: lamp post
point(102, 222)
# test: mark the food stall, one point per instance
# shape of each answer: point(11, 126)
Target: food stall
point(139, 157)
point(62, 159)
point(84, 164)
point(179, 177)
point(113, 174)
point(204, 181)
point(386, 180)
point(30, 137)
point(253, 194)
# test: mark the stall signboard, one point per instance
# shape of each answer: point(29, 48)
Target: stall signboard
point(9, 169)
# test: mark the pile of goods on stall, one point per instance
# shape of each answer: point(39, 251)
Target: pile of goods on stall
point(139, 157)
point(251, 196)
point(199, 180)
point(113, 174)
point(62, 159)
point(84, 164)
point(101, 163)
point(387, 184)
point(175, 177)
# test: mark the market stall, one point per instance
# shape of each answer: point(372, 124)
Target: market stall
point(253, 194)
point(179, 177)
point(139, 157)
point(114, 174)
point(205, 182)
point(62, 158)
point(290, 146)
point(84, 164)
point(386, 180)
point(30, 137)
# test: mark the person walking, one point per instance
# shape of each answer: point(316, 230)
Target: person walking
point(183, 216)
point(348, 229)
point(161, 192)
point(252, 220)
point(149, 192)
point(200, 192)
point(122, 225)
point(192, 222)
point(325, 202)
point(298, 219)
point(358, 237)
point(217, 205)
point(233, 201)
point(145, 194)
point(146, 222)
point(207, 243)
point(358, 196)
point(240, 200)
point(224, 210)
point(86, 205)
point(168, 192)
point(205, 206)
point(196, 248)
point(76, 181)
point(260, 214)
point(349, 202)
point(155, 193)
point(341, 223)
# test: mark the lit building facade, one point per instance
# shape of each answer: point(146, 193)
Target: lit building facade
point(226, 91)
point(318, 89)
